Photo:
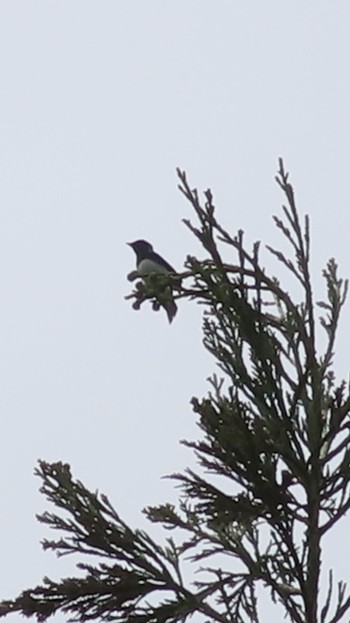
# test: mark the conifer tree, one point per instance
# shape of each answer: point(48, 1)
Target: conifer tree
point(273, 474)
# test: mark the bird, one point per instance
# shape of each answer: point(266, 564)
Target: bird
point(147, 262)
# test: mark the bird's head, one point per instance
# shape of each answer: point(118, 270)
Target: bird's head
point(141, 247)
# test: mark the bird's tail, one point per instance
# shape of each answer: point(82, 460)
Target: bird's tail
point(171, 309)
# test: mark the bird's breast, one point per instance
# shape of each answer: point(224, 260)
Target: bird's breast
point(147, 266)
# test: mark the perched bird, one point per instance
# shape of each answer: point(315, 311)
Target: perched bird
point(147, 262)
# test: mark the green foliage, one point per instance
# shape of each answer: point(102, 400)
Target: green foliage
point(274, 456)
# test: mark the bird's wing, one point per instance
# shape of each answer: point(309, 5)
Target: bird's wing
point(154, 264)
point(163, 263)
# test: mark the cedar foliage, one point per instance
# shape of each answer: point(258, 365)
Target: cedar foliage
point(274, 457)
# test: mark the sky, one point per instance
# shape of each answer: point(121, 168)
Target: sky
point(99, 103)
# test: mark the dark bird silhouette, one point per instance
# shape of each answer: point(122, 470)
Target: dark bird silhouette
point(147, 262)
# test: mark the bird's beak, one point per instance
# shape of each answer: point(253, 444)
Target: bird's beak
point(131, 244)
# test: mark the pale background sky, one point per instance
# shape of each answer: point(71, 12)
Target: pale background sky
point(100, 101)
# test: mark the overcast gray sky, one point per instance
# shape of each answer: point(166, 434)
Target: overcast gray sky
point(100, 101)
